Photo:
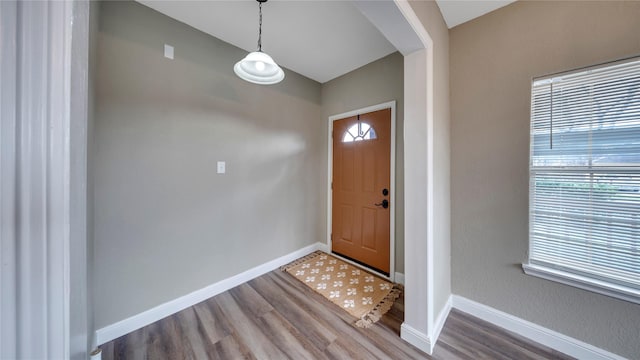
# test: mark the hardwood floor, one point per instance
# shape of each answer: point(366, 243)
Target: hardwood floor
point(277, 317)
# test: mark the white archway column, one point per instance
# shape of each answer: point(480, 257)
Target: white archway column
point(401, 26)
point(418, 164)
point(42, 187)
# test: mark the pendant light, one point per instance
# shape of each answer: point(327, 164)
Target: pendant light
point(258, 67)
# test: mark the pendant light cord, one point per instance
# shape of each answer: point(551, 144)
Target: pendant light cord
point(260, 28)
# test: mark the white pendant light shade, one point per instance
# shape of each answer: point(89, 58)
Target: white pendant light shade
point(259, 68)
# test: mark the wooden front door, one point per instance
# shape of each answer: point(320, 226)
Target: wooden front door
point(361, 192)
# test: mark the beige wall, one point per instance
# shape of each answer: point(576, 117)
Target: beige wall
point(431, 18)
point(165, 223)
point(493, 60)
point(376, 83)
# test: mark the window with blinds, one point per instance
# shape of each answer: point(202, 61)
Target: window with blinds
point(584, 206)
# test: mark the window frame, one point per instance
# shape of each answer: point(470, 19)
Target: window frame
point(597, 284)
point(367, 135)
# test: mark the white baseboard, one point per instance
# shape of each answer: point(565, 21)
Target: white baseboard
point(537, 333)
point(441, 319)
point(421, 340)
point(323, 247)
point(416, 338)
point(145, 318)
point(399, 278)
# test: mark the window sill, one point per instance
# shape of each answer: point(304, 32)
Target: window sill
point(600, 287)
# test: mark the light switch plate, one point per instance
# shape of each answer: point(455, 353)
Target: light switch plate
point(221, 167)
point(168, 51)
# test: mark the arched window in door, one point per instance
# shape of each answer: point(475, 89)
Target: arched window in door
point(358, 132)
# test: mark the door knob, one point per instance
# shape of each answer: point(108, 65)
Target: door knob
point(385, 192)
point(384, 204)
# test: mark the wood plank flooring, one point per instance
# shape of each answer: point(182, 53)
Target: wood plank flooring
point(277, 317)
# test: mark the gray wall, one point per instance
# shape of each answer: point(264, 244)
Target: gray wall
point(375, 83)
point(165, 223)
point(493, 60)
point(429, 14)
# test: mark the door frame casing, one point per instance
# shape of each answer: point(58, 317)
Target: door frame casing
point(392, 177)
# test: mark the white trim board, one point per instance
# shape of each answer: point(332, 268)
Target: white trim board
point(440, 320)
point(534, 332)
point(421, 340)
point(392, 186)
point(416, 338)
point(161, 311)
point(583, 282)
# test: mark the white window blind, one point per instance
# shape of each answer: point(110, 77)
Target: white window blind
point(585, 179)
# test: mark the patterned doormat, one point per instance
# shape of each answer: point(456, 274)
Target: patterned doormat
point(361, 294)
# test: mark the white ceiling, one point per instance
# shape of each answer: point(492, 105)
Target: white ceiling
point(456, 12)
point(320, 39)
